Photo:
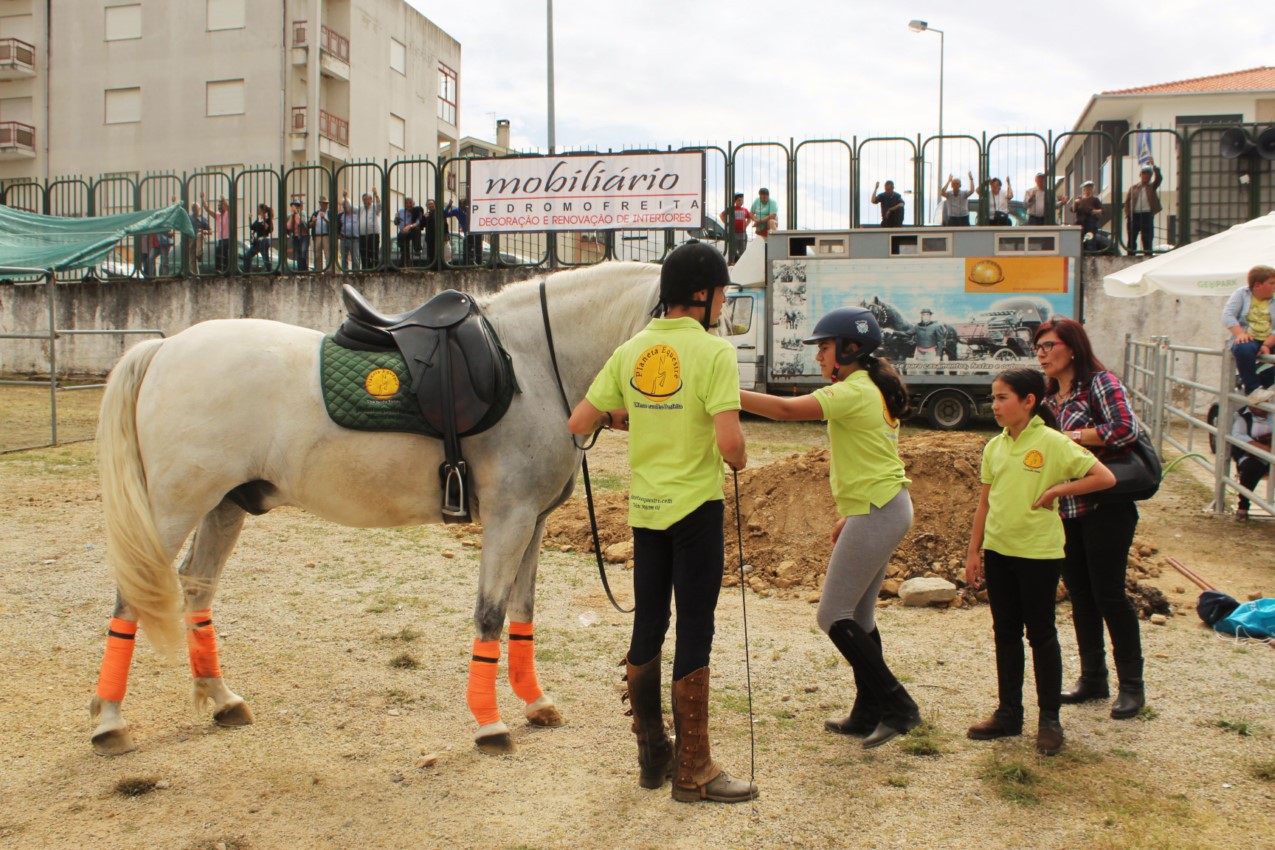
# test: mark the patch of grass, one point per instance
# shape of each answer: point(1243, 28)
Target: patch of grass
point(136, 786)
point(1148, 714)
point(925, 740)
point(404, 661)
point(394, 696)
point(1013, 782)
point(896, 781)
point(732, 702)
point(1264, 770)
point(234, 843)
point(406, 634)
point(1239, 727)
point(1124, 754)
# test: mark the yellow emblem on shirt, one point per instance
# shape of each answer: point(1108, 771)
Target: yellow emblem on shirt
point(381, 384)
point(1034, 460)
point(657, 374)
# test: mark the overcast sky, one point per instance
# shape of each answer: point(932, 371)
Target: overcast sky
point(664, 72)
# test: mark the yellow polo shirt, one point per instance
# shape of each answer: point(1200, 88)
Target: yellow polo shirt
point(1018, 472)
point(672, 378)
point(865, 469)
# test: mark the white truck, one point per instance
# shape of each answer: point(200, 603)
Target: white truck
point(956, 305)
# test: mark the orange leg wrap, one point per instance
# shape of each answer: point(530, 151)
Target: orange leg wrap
point(522, 662)
point(112, 681)
point(201, 641)
point(481, 694)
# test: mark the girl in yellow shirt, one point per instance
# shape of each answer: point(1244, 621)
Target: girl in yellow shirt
point(1026, 468)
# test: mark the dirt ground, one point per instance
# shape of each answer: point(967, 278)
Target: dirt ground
point(352, 648)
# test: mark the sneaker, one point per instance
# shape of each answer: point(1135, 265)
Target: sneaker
point(1261, 395)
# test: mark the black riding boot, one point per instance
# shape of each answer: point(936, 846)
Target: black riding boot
point(1092, 683)
point(899, 713)
point(1132, 696)
point(865, 714)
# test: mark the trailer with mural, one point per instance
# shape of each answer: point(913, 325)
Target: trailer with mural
point(956, 305)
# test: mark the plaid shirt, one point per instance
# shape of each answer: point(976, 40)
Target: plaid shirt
point(1115, 425)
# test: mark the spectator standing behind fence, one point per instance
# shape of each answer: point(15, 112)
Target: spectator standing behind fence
point(737, 217)
point(1037, 200)
point(1141, 205)
point(299, 231)
point(410, 219)
point(957, 201)
point(765, 213)
point(429, 224)
point(221, 218)
point(1249, 317)
point(261, 229)
point(1088, 210)
point(195, 246)
point(891, 203)
point(348, 228)
point(998, 202)
point(319, 232)
point(370, 230)
point(1252, 427)
point(473, 244)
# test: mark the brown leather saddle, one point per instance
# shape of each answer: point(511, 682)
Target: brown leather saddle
point(462, 377)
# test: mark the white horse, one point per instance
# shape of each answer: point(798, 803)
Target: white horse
point(226, 418)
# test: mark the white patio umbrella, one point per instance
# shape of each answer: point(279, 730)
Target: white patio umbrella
point(1217, 265)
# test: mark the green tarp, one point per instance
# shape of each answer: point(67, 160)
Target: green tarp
point(42, 243)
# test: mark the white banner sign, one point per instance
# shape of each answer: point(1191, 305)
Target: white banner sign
point(640, 191)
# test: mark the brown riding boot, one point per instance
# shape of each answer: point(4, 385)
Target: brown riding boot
point(655, 750)
point(698, 777)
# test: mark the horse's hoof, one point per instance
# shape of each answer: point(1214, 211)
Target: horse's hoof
point(494, 739)
point(114, 742)
point(543, 712)
point(235, 714)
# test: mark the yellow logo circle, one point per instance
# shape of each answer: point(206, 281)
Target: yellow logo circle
point(381, 384)
point(1034, 460)
point(658, 373)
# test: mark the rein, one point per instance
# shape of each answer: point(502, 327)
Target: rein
point(584, 460)
point(748, 667)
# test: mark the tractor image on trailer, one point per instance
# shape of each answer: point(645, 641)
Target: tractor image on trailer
point(956, 306)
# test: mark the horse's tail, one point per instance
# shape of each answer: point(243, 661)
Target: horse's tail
point(140, 566)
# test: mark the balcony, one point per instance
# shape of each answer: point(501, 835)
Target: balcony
point(334, 135)
point(17, 59)
point(334, 54)
point(300, 45)
point(17, 141)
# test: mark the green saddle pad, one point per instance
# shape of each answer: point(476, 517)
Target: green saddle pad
point(369, 390)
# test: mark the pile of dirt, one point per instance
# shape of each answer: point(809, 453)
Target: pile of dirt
point(788, 514)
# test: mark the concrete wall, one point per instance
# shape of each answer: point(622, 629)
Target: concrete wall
point(315, 302)
point(312, 301)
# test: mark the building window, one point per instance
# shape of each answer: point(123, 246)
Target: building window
point(224, 97)
point(225, 14)
point(123, 106)
point(447, 98)
point(398, 56)
point(398, 132)
point(123, 22)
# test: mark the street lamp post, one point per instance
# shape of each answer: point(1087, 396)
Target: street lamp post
point(922, 26)
point(549, 39)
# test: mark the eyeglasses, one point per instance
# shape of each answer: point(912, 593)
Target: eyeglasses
point(1044, 346)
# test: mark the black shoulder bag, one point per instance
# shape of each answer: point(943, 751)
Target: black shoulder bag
point(1138, 472)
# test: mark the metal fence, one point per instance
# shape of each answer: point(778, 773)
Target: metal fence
point(1187, 397)
point(248, 223)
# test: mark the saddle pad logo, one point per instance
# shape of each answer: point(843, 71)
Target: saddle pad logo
point(1034, 460)
point(381, 384)
point(657, 375)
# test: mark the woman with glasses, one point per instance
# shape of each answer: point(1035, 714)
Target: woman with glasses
point(1092, 408)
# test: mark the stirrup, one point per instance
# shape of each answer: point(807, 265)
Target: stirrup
point(454, 501)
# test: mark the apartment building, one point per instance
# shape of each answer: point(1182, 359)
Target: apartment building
point(126, 87)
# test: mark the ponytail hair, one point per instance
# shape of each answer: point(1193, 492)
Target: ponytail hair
point(897, 399)
point(1025, 382)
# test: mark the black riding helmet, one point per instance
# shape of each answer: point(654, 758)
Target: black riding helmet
point(848, 324)
point(688, 269)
